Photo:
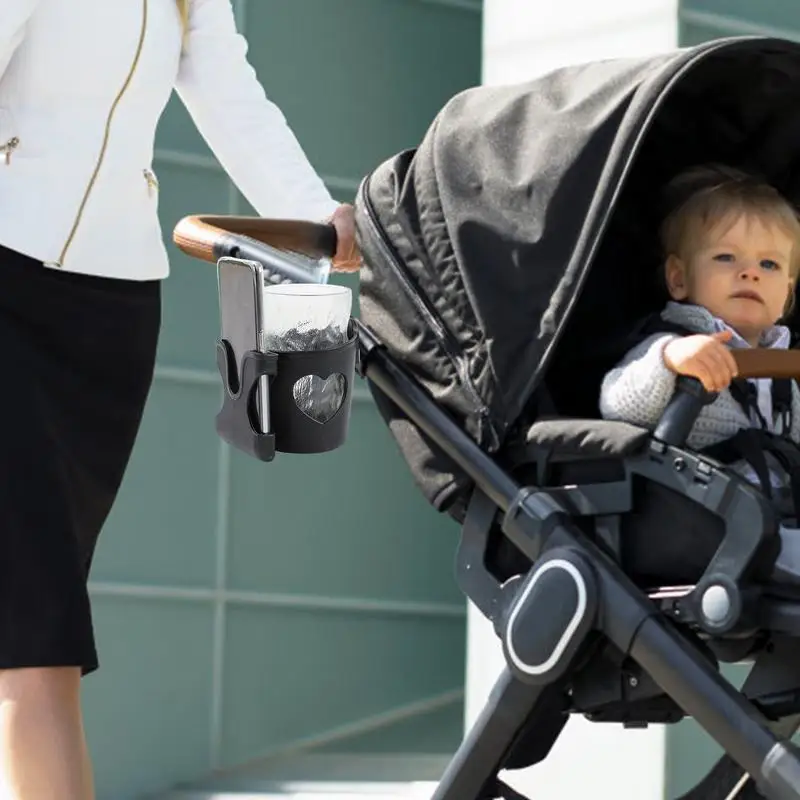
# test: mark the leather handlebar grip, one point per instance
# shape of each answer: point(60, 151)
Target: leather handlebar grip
point(763, 363)
point(210, 237)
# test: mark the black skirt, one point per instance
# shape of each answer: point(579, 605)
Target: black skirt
point(77, 355)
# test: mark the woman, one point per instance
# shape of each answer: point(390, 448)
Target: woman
point(82, 86)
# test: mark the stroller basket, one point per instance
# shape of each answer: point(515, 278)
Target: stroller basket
point(486, 326)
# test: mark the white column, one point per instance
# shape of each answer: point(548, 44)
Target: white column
point(526, 38)
point(523, 39)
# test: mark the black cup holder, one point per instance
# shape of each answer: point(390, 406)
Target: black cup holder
point(310, 397)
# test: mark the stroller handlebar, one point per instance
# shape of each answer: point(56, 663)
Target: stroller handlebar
point(763, 363)
point(211, 237)
point(681, 413)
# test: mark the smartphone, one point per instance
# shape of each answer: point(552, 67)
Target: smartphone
point(240, 284)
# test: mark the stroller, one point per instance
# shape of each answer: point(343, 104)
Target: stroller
point(506, 260)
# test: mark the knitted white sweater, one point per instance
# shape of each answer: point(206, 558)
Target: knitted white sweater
point(638, 389)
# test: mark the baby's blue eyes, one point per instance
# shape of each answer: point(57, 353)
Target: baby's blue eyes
point(765, 263)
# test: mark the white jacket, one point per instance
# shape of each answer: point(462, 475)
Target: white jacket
point(83, 84)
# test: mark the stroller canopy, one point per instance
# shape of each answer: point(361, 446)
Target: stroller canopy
point(526, 207)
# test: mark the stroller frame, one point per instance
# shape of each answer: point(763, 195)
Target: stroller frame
point(594, 600)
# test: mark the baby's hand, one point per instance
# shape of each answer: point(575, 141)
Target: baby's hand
point(703, 357)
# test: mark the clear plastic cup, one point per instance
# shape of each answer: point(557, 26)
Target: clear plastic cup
point(305, 316)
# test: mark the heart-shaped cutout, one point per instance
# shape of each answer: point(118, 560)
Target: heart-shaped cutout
point(319, 398)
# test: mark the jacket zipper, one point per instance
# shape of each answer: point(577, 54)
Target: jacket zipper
point(446, 339)
point(8, 148)
point(106, 135)
point(152, 181)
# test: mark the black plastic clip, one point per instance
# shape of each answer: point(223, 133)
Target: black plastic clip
point(237, 421)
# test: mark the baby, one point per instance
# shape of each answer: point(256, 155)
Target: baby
point(731, 261)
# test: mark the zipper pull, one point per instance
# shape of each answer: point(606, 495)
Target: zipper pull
point(9, 147)
point(152, 181)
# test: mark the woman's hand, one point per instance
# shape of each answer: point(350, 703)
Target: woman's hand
point(703, 357)
point(348, 257)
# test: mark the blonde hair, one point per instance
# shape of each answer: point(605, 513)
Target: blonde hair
point(708, 195)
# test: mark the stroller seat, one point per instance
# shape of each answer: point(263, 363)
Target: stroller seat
point(585, 455)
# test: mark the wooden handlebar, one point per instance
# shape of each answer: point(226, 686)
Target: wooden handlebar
point(207, 236)
point(763, 363)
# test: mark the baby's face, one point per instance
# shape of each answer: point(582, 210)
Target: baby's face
point(739, 271)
